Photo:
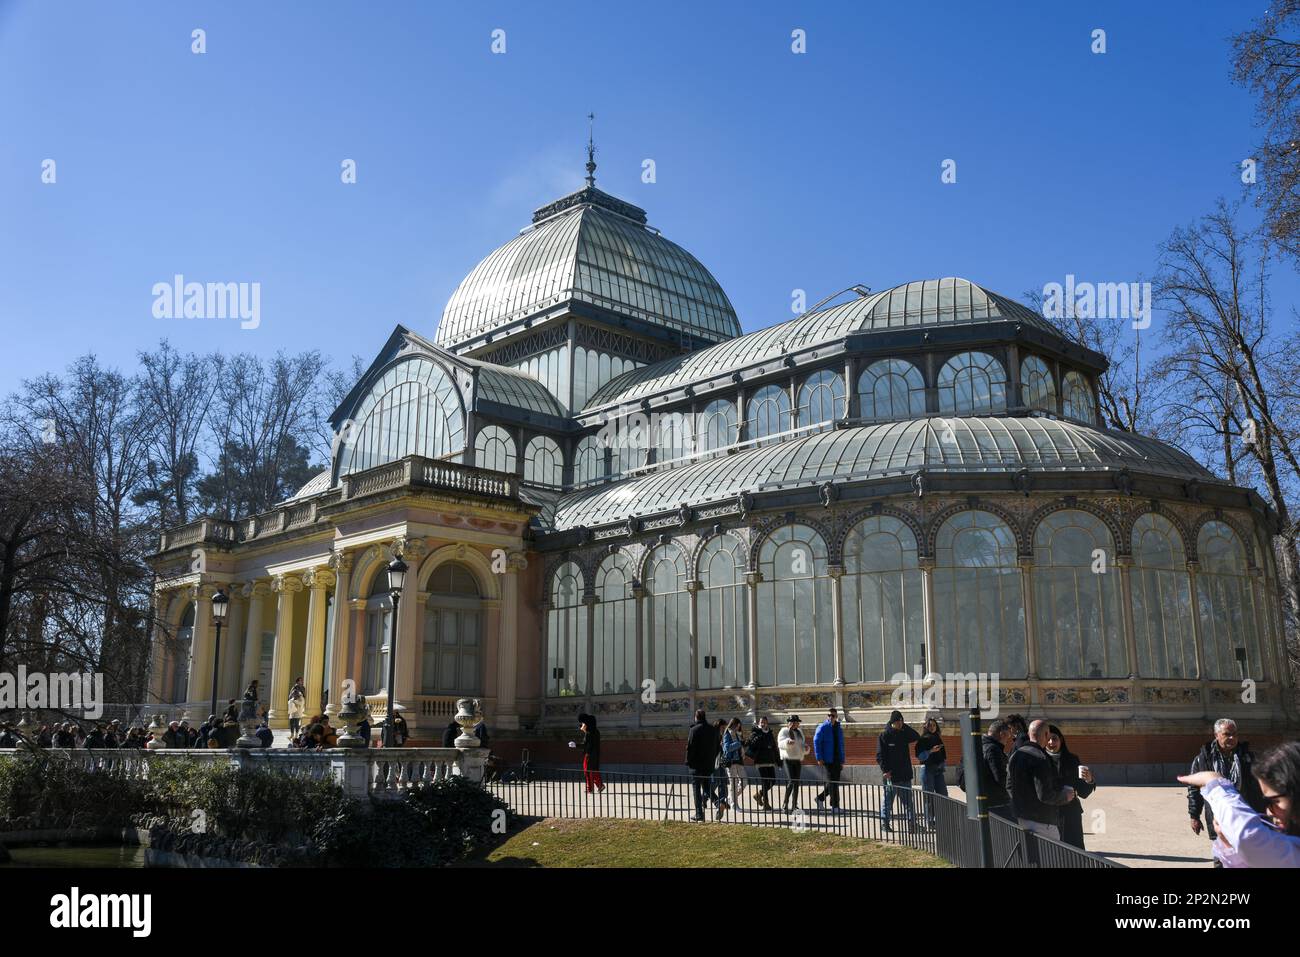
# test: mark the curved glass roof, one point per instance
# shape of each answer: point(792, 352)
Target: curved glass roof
point(514, 388)
point(928, 302)
point(315, 485)
point(593, 248)
point(975, 444)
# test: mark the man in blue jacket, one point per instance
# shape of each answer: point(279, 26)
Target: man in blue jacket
point(828, 749)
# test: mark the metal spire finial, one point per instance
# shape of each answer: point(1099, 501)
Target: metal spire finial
point(591, 150)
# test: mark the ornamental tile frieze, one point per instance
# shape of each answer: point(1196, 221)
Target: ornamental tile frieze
point(1163, 694)
point(727, 704)
point(1085, 696)
point(796, 700)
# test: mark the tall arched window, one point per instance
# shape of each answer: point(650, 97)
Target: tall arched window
point(181, 656)
point(667, 635)
point(379, 611)
point(589, 461)
point(1080, 623)
point(1037, 390)
point(614, 644)
point(566, 634)
point(796, 628)
point(821, 399)
point(1162, 600)
point(494, 449)
point(453, 633)
point(543, 463)
point(723, 614)
point(1229, 635)
point(769, 412)
point(673, 438)
point(1077, 400)
point(980, 610)
point(882, 588)
point(717, 426)
point(891, 389)
point(972, 383)
point(414, 409)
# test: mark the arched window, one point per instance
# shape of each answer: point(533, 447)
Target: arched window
point(717, 426)
point(589, 461)
point(181, 656)
point(796, 629)
point(1037, 390)
point(1079, 622)
point(1229, 636)
point(769, 412)
point(821, 399)
point(1162, 600)
point(1077, 399)
point(453, 633)
point(667, 635)
point(723, 614)
point(566, 634)
point(673, 438)
point(891, 389)
point(614, 645)
point(379, 611)
point(882, 589)
point(414, 409)
point(543, 463)
point(972, 383)
point(980, 610)
point(494, 449)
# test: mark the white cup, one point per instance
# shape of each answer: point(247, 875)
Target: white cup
point(1083, 771)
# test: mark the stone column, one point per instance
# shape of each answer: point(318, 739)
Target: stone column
point(507, 716)
point(751, 581)
point(1125, 565)
point(158, 656)
point(320, 581)
point(1265, 663)
point(232, 644)
point(285, 587)
point(1194, 591)
point(356, 661)
point(1026, 563)
point(929, 614)
point(693, 621)
point(200, 683)
point(336, 668)
point(638, 593)
point(255, 593)
point(836, 573)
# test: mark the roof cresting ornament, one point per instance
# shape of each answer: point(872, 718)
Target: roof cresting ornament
point(591, 150)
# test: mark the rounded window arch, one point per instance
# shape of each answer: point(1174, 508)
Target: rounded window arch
point(452, 655)
point(821, 400)
point(1077, 598)
point(882, 590)
point(769, 412)
point(979, 606)
point(589, 461)
point(891, 389)
point(543, 462)
point(972, 383)
point(614, 644)
point(667, 634)
point(673, 438)
point(1229, 633)
point(717, 426)
point(796, 629)
point(413, 409)
point(1077, 402)
point(1162, 600)
point(494, 449)
point(1037, 390)
point(566, 634)
point(723, 614)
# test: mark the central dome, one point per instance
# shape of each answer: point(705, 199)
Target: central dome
point(593, 248)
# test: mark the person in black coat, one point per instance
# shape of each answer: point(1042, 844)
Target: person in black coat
point(702, 747)
point(590, 753)
point(1067, 768)
point(895, 762)
point(1037, 794)
point(763, 752)
point(450, 734)
point(933, 757)
point(993, 749)
point(1231, 757)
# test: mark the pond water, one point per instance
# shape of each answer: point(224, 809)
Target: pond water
point(96, 855)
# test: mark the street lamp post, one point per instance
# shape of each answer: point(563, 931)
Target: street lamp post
point(396, 578)
point(220, 605)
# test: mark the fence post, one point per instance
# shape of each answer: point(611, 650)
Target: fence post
point(976, 783)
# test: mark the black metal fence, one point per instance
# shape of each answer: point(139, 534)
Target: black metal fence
point(906, 816)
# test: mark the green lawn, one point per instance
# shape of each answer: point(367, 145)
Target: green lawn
point(554, 842)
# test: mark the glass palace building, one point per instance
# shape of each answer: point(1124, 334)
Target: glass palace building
point(613, 501)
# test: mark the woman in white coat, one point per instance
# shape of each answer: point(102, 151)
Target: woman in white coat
point(297, 706)
point(790, 742)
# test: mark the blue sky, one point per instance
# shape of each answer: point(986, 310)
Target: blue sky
point(778, 171)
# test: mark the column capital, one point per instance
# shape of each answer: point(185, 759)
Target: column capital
point(319, 578)
point(835, 571)
point(357, 604)
point(753, 578)
point(693, 586)
point(256, 589)
point(411, 549)
point(341, 562)
point(202, 591)
point(282, 584)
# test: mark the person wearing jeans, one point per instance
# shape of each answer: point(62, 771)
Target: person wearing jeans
point(933, 757)
point(702, 747)
point(895, 762)
point(828, 749)
point(733, 756)
point(790, 742)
